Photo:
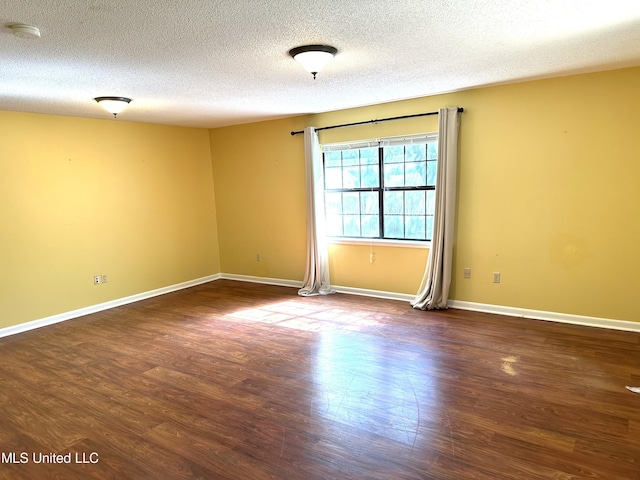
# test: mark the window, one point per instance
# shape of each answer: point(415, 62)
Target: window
point(381, 189)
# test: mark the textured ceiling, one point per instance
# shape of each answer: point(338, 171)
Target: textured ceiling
point(220, 62)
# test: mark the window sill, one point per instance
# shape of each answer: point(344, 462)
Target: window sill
point(378, 242)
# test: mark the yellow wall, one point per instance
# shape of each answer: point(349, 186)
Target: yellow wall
point(80, 197)
point(260, 197)
point(548, 196)
point(394, 269)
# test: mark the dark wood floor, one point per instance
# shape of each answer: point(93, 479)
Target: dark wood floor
point(233, 380)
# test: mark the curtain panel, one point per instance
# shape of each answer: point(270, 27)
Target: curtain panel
point(316, 277)
point(434, 289)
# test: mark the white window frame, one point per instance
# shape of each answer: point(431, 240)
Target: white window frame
point(379, 142)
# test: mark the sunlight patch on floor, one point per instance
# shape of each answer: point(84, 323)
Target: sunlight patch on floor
point(291, 314)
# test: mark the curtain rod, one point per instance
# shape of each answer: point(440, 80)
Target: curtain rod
point(460, 109)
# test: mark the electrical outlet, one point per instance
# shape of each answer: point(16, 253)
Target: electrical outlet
point(496, 277)
point(104, 278)
point(467, 272)
point(258, 257)
point(96, 279)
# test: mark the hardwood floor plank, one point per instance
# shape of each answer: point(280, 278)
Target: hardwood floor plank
point(229, 380)
point(617, 456)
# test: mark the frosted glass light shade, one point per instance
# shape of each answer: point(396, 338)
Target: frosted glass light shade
point(313, 58)
point(25, 31)
point(113, 105)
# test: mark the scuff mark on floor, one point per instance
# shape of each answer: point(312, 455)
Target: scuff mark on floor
point(507, 365)
point(453, 447)
point(281, 448)
point(415, 437)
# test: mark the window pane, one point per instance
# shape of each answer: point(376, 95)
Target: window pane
point(393, 226)
point(415, 203)
point(405, 166)
point(431, 173)
point(429, 228)
point(394, 175)
point(415, 153)
point(416, 174)
point(432, 151)
point(370, 176)
point(415, 227)
point(369, 156)
point(393, 154)
point(332, 159)
point(333, 203)
point(370, 226)
point(431, 201)
point(408, 211)
point(369, 203)
point(350, 157)
point(393, 204)
point(333, 177)
point(351, 177)
point(334, 225)
point(352, 225)
point(351, 203)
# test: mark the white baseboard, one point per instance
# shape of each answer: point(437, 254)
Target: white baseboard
point(43, 322)
point(263, 280)
point(476, 307)
point(403, 297)
point(548, 316)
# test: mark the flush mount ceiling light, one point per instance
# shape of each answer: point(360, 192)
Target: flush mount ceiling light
point(113, 104)
point(25, 31)
point(313, 57)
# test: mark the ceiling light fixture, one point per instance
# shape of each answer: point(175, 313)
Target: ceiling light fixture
point(113, 104)
point(313, 57)
point(25, 31)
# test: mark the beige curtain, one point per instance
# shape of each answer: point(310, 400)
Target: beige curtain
point(316, 277)
point(434, 289)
